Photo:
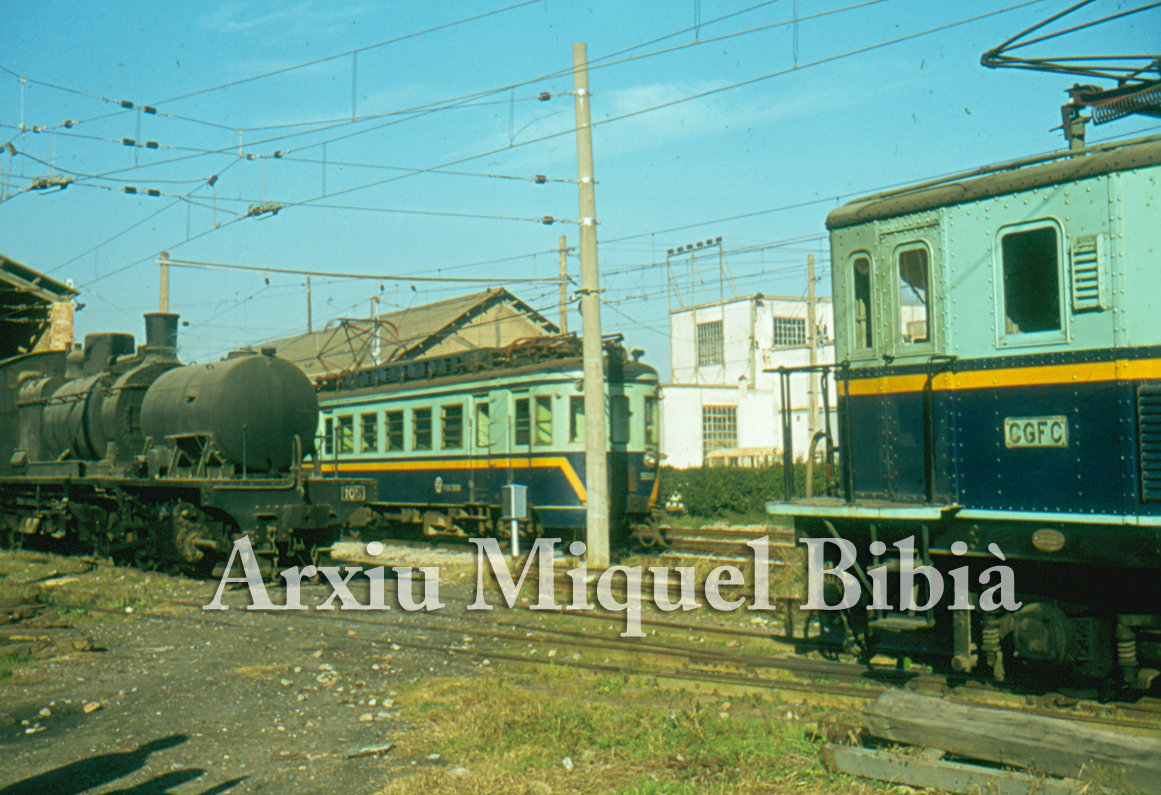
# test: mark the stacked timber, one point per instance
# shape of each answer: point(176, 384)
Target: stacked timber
point(1051, 754)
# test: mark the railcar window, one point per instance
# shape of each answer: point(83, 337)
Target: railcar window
point(650, 420)
point(1031, 281)
point(421, 429)
point(789, 331)
point(544, 419)
point(328, 436)
point(719, 427)
point(576, 418)
point(864, 329)
point(452, 427)
point(394, 430)
point(523, 423)
point(619, 419)
point(710, 349)
point(483, 424)
point(346, 434)
point(369, 436)
point(914, 295)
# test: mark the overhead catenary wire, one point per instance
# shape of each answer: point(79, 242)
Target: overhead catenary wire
point(337, 275)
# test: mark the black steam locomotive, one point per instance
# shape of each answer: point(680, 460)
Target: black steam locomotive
point(124, 450)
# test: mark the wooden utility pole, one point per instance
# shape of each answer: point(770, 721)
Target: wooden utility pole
point(563, 285)
point(812, 341)
point(596, 448)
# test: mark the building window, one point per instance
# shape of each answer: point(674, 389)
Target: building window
point(719, 428)
point(452, 426)
point(650, 420)
point(576, 418)
point(914, 295)
point(484, 424)
point(710, 349)
point(346, 434)
point(421, 429)
point(369, 433)
point(864, 329)
point(1031, 281)
point(789, 331)
point(394, 430)
point(328, 436)
point(523, 423)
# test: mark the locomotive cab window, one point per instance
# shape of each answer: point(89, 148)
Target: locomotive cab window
point(328, 436)
point(345, 434)
point(1030, 267)
point(864, 338)
point(452, 426)
point(914, 293)
point(421, 429)
point(651, 421)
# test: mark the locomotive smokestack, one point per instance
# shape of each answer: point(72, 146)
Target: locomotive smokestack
point(161, 334)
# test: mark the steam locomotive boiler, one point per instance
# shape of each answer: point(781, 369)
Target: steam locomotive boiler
point(126, 451)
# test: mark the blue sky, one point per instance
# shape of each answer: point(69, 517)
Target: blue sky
point(807, 138)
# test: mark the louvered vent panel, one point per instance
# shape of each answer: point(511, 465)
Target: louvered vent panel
point(1089, 269)
point(1149, 441)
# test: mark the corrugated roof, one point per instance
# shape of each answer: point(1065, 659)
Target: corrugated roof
point(404, 334)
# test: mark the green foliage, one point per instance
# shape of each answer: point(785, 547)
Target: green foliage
point(717, 492)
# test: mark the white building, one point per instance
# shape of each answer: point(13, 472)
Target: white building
point(722, 397)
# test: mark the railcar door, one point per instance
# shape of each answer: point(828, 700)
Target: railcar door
point(483, 441)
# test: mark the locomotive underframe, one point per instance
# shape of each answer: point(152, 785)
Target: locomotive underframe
point(1094, 614)
point(184, 524)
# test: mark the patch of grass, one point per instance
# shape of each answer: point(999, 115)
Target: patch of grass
point(10, 661)
point(514, 734)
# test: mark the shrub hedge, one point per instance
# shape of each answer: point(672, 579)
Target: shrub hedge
point(712, 492)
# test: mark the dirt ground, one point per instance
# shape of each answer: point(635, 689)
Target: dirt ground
point(189, 701)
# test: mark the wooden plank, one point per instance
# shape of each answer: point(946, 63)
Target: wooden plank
point(917, 771)
point(1054, 746)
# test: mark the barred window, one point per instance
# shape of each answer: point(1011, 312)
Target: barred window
point(394, 430)
point(789, 331)
point(369, 438)
point(421, 429)
point(710, 349)
point(523, 423)
point(453, 427)
point(719, 428)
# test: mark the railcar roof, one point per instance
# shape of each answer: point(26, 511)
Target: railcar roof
point(999, 180)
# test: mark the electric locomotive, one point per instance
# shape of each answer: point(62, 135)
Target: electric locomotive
point(441, 436)
point(999, 396)
point(124, 450)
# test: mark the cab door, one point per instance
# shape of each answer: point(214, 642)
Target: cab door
point(915, 417)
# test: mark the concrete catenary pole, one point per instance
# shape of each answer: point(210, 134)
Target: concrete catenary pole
point(596, 466)
point(563, 284)
point(812, 341)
